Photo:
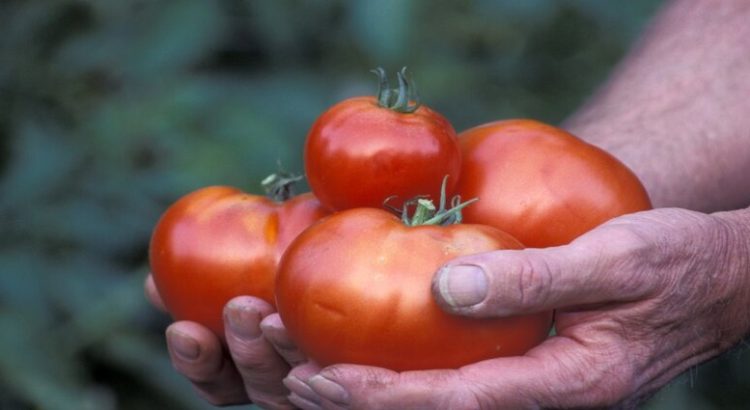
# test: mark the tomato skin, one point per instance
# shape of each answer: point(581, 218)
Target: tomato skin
point(217, 243)
point(541, 184)
point(357, 154)
point(356, 288)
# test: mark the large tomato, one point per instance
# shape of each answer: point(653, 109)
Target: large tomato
point(541, 184)
point(364, 150)
point(355, 288)
point(219, 242)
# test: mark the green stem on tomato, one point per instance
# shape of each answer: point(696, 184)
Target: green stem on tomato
point(450, 216)
point(403, 99)
point(384, 88)
point(425, 212)
point(279, 186)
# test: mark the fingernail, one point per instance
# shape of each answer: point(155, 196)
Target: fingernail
point(183, 345)
point(462, 285)
point(243, 320)
point(329, 390)
point(301, 389)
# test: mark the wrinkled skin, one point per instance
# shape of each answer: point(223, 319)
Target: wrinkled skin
point(219, 242)
point(248, 365)
point(647, 295)
point(355, 288)
point(640, 299)
point(359, 154)
point(541, 184)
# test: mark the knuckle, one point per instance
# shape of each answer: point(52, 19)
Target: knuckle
point(251, 361)
point(534, 281)
point(255, 357)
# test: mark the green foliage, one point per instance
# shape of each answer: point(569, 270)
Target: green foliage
point(110, 110)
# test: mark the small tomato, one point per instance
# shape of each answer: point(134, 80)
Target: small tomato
point(364, 150)
point(219, 242)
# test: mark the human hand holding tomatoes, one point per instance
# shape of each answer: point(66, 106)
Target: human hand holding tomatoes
point(541, 184)
point(364, 150)
point(260, 354)
point(639, 300)
point(210, 247)
point(219, 242)
point(355, 288)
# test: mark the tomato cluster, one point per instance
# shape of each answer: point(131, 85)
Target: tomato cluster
point(350, 279)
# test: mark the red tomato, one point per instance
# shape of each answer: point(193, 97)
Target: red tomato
point(217, 243)
point(362, 151)
point(541, 184)
point(355, 288)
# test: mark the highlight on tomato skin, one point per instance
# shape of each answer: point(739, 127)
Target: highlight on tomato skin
point(356, 288)
point(217, 243)
point(542, 184)
point(365, 149)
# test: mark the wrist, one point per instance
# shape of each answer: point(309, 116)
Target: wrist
point(735, 227)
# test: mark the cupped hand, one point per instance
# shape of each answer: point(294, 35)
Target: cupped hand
point(249, 369)
point(639, 300)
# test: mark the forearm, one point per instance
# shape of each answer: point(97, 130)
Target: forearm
point(677, 109)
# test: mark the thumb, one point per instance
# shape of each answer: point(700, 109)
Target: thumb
point(597, 268)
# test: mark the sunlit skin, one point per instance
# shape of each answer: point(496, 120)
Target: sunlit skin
point(359, 154)
point(355, 288)
point(219, 242)
point(541, 184)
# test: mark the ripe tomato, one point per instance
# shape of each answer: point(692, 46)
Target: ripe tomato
point(541, 184)
point(219, 242)
point(356, 288)
point(364, 150)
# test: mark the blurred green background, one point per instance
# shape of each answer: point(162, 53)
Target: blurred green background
point(112, 109)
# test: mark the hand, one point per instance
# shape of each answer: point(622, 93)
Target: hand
point(260, 354)
point(639, 300)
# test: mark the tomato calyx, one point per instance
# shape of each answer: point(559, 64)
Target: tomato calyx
point(279, 186)
point(403, 99)
point(425, 212)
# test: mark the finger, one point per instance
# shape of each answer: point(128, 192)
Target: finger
point(276, 334)
point(559, 374)
point(301, 394)
point(262, 369)
point(600, 267)
point(152, 294)
point(197, 354)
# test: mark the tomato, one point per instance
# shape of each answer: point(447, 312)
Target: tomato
point(364, 150)
point(541, 184)
point(356, 288)
point(219, 242)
